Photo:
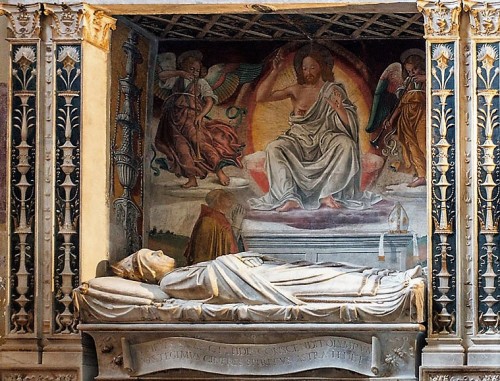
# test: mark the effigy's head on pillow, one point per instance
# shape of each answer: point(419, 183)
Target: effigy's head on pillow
point(145, 265)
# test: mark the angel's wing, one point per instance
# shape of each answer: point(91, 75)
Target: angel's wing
point(164, 61)
point(225, 79)
point(385, 99)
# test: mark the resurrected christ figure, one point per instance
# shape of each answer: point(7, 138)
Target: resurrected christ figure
point(316, 162)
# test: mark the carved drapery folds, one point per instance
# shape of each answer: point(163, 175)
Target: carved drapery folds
point(441, 20)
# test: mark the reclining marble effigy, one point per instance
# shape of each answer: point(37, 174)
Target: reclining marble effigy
point(251, 287)
point(354, 305)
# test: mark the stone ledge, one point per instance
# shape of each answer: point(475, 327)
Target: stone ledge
point(460, 373)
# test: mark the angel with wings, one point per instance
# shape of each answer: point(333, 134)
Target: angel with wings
point(194, 145)
point(399, 108)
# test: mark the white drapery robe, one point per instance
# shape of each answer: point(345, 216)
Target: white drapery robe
point(317, 157)
point(227, 279)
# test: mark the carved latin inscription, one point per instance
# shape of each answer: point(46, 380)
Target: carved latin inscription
point(256, 359)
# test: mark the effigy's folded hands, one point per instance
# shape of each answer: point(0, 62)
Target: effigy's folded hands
point(250, 259)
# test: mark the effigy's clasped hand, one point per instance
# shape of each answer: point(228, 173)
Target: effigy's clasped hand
point(250, 259)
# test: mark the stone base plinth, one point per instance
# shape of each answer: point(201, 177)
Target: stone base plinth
point(267, 351)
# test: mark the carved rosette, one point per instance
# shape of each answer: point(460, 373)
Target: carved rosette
point(67, 200)
point(22, 185)
point(23, 20)
point(484, 17)
point(443, 188)
point(488, 135)
point(441, 18)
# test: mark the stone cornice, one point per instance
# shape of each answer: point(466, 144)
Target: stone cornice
point(23, 20)
point(484, 17)
point(441, 18)
point(81, 22)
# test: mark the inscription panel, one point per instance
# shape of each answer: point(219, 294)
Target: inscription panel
point(256, 359)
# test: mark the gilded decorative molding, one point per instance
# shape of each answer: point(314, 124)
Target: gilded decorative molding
point(441, 18)
point(23, 184)
point(97, 28)
point(81, 22)
point(484, 17)
point(23, 20)
point(488, 82)
point(67, 208)
point(443, 188)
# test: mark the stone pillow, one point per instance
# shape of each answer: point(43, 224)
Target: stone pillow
point(123, 289)
point(145, 265)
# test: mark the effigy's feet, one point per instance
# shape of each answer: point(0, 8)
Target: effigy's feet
point(223, 178)
point(289, 205)
point(329, 202)
point(418, 182)
point(191, 183)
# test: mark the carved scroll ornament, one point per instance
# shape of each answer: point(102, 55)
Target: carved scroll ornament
point(23, 20)
point(81, 22)
point(441, 18)
point(484, 17)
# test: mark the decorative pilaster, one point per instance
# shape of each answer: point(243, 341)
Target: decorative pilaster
point(485, 42)
point(67, 201)
point(70, 26)
point(24, 28)
point(441, 21)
